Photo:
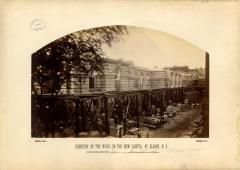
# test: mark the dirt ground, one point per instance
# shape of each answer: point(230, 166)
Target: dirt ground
point(177, 126)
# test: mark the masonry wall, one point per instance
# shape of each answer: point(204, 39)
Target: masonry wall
point(122, 76)
point(159, 79)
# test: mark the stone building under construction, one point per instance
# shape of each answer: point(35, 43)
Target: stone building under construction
point(120, 75)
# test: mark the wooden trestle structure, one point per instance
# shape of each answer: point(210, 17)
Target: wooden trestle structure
point(94, 111)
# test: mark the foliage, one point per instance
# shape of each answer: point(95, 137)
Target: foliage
point(79, 52)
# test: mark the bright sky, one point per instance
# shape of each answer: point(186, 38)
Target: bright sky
point(149, 48)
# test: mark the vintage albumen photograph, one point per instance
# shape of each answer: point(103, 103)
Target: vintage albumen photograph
point(120, 81)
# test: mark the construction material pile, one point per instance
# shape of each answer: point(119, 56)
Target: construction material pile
point(171, 111)
point(153, 122)
point(131, 124)
point(197, 127)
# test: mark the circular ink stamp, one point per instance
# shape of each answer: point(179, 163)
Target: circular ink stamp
point(37, 24)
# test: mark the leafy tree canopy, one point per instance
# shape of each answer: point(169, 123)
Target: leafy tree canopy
point(79, 52)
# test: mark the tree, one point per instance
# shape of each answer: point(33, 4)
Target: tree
point(77, 53)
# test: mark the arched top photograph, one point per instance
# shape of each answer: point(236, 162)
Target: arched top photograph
point(120, 81)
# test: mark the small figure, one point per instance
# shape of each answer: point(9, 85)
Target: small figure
point(139, 134)
point(115, 118)
point(153, 110)
point(158, 113)
point(120, 132)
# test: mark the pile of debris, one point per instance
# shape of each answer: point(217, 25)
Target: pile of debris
point(153, 121)
point(171, 111)
point(133, 132)
point(131, 124)
point(196, 127)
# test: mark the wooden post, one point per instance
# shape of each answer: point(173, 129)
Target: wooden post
point(77, 116)
point(125, 119)
point(206, 101)
point(137, 110)
point(107, 128)
point(207, 74)
point(83, 114)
